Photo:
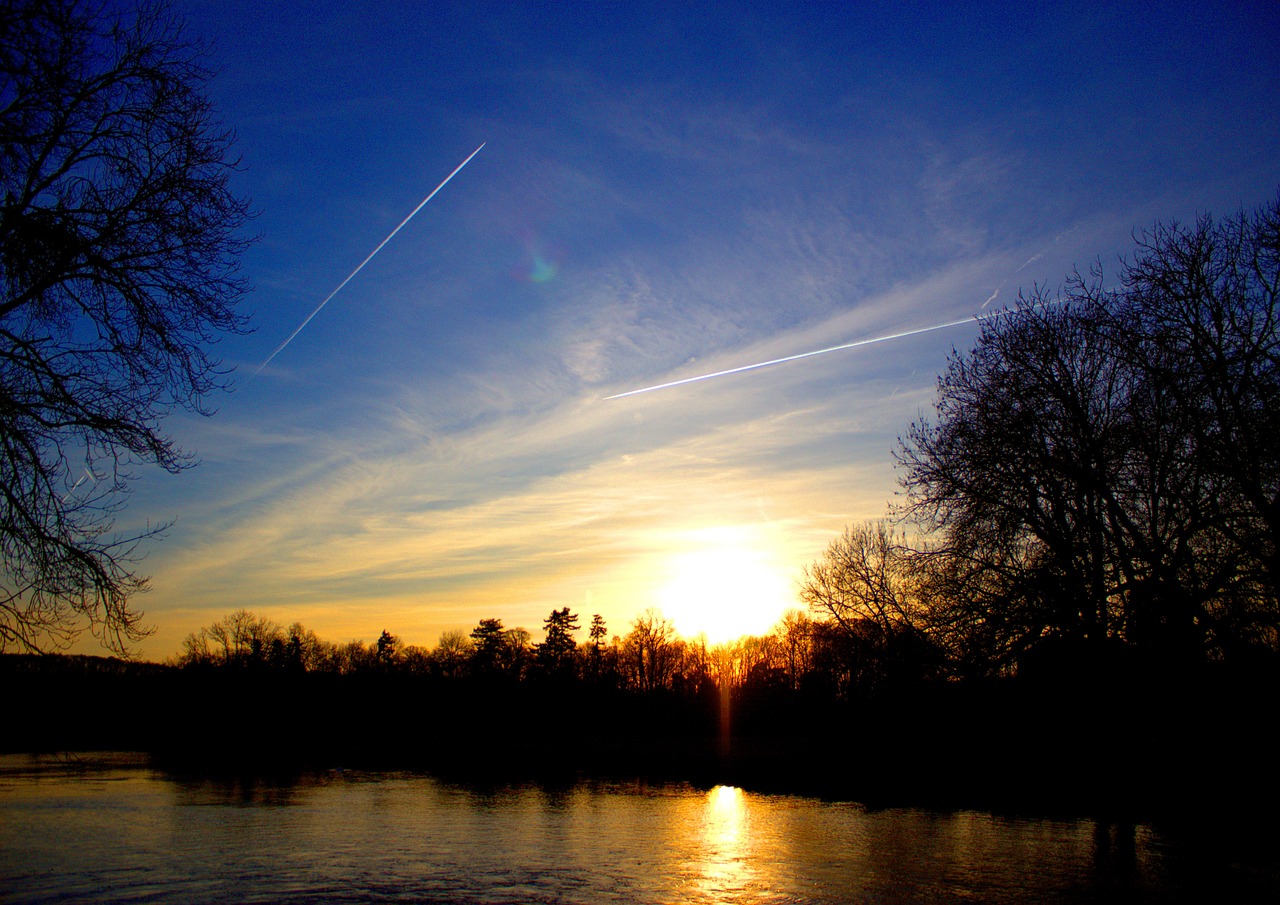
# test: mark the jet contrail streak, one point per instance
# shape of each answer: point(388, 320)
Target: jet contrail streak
point(389, 237)
point(778, 361)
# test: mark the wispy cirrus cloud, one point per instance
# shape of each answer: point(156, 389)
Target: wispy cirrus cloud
point(424, 516)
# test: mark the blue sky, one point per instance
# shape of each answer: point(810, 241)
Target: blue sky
point(666, 190)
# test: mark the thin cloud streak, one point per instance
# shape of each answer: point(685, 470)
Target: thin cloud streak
point(353, 273)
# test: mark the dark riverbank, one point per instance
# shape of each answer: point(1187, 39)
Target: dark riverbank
point(1196, 745)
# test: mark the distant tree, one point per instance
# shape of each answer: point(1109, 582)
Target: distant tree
point(498, 651)
point(837, 671)
point(195, 650)
point(387, 648)
point(119, 240)
point(451, 653)
point(649, 652)
point(760, 660)
point(303, 650)
point(696, 671)
point(795, 638)
point(517, 653)
point(241, 639)
point(415, 660)
point(557, 655)
point(597, 633)
point(352, 658)
point(489, 644)
point(725, 663)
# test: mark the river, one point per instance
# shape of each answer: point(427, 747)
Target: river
point(113, 829)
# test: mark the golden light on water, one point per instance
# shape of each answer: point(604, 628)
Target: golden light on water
point(725, 583)
point(726, 843)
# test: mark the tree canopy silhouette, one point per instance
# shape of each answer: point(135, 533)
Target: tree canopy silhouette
point(119, 240)
point(557, 654)
point(1102, 471)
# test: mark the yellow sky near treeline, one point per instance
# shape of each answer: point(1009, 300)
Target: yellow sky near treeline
point(722, 578)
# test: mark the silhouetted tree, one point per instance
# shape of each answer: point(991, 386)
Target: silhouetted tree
point(1022, 467)
point(836, 664)
point(864, 576)
point(1097, 477)
point(498, 651)
point(303, 650)
point(387, 648)
point(597, 633)
point(867, 585)
point(488, 638)
point(119, 240)
point(415, 660)
point(557, 655)
point(1205, 331)
point(241, 639)
point(517, 653)
point(451, 653)
point(353, 657)
point(795, 637)
point(649, 652)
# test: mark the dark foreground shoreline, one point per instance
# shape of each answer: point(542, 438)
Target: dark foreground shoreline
point(1190, 751)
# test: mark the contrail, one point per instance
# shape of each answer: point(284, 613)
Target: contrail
point(1025, 264)
point(87, 474)
point(778, 361)
point(390, 236)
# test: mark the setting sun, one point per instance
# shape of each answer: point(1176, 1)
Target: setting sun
point(728, 582)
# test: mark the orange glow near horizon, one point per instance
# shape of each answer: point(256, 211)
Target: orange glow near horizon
point(726, 583)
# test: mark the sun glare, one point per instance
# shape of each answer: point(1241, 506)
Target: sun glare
point(727, 582)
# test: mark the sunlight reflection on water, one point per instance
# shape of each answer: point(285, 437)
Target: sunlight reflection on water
point(124, 833)
point(726, 862)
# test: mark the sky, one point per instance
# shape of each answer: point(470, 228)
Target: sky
point(664, 191)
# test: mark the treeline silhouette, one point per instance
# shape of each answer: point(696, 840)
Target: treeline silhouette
point(247, 693)
point(495, 699)
point(806, 708)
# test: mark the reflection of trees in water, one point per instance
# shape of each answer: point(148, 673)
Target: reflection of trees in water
point(244, 790)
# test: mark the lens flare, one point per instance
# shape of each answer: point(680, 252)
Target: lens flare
point(540, 261)
point(543, 270)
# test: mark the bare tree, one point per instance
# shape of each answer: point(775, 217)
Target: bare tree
point(119, 241)
point(1020, 476)
point(867, 585)
point(1102, 474)
point(649, 652)
point(240, 639)
point(795, 635)
point(862, 579)
point(1205, 300)
point(451, 653)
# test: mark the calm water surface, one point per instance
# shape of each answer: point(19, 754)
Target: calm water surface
point(114, 830)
